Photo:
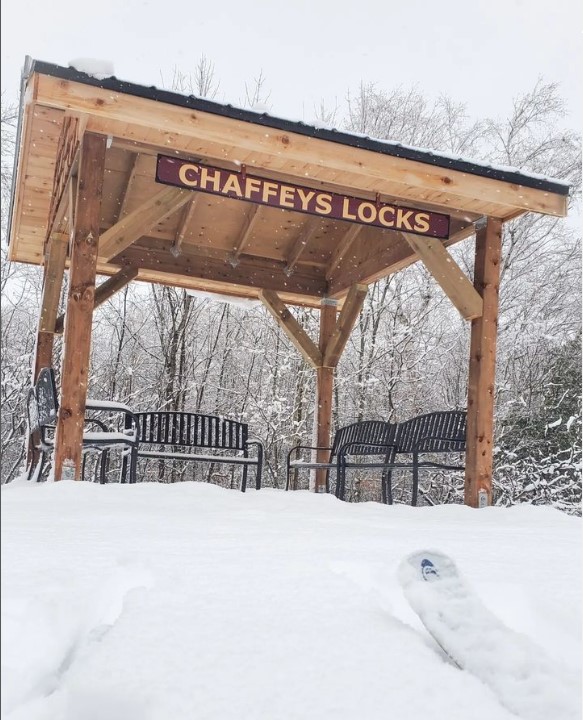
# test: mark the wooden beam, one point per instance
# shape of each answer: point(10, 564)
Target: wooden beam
point(348, 315)
point(324, 393)
point(245, 234)
point(108, 288)
point(77, 341)
point(448, 274)
point(181, 129)
point(482, 373)
point(187, 216)
point(341, 249)
point(300, 244)
point(258, 273)
point(140, 221)
point(291, 327)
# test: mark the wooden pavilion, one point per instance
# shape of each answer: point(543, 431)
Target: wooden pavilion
point(137, 183)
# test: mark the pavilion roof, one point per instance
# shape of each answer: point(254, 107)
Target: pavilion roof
point(216, 242)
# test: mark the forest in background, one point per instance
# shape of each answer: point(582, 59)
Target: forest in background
point(159, 348)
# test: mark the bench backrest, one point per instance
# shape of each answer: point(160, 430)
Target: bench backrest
point(433, 432)
point(191, 430)
point(368, 431)
point(42, 402)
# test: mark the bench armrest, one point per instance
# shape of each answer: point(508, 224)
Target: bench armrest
point(296, 448)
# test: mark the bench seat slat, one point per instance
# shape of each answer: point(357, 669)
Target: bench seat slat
point(194, 456)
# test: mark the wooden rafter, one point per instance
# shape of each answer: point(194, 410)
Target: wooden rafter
point(448, 274)
point(342, 248)
point(350, 311)
point(300, 245)
point(108, 288)
point(187, 216)
point(141, 220)
point(245, 234)
point(123, 206)
point(291, 327)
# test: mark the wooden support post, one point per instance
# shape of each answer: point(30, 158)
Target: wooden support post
point(55, 258)
point(350, 311)
point(77, 342)
point(325, 385)
point(480, 428)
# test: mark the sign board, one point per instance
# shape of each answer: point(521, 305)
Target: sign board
point(288, 196)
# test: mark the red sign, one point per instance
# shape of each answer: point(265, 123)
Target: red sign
point(242, 186)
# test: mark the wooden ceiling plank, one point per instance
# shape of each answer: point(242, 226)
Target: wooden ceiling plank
point(341, 249)
point(300, 244)
point(245, 234)
point(291, 327)
point(278, 148)
point(348, 315)
point(140, 221)
point(459, 289)
point(187, 216)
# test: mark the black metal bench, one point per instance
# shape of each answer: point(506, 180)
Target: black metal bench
point(425, 435)
point(410, 445)
point(172, 435)
point(42, 408)
point(364, 440)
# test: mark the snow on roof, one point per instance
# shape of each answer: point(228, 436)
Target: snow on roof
point(317, 129)
point(99, 69)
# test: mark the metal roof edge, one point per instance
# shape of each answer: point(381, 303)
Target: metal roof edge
point(344, 138)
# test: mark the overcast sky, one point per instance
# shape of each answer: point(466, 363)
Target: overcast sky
point(480, 52)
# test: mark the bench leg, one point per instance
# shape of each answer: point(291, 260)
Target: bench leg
point(244, 479)
point(415, 492)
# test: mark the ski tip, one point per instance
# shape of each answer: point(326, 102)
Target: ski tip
point(426, 566)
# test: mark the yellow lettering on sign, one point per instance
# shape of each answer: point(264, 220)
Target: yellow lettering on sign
point(232, 185)
point(403, 218)
point(323, 204)
point(346, 210)
point(422, 222)
point(185, 172)
point(383, 212)
point(305, 198)
point(367, 212)
point(286, 196)
point(252, 185)
point(214, 178)
point(269, 190)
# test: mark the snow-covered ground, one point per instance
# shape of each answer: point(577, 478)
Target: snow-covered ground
point(187, 601)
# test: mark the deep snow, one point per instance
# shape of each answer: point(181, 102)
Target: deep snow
point(159, 602)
